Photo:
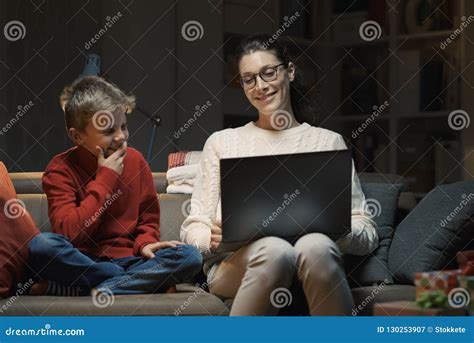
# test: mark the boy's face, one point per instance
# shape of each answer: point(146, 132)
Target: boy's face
point(107, 130)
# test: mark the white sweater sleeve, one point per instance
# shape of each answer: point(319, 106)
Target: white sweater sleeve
point(196, 228)
point(363, 237)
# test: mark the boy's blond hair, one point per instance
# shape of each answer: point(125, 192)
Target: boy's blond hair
point(89, 95)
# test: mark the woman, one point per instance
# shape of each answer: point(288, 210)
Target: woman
point(253, 272)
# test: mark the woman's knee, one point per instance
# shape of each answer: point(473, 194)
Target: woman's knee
point(273, 253)
point(319, 257)
point(317, 248)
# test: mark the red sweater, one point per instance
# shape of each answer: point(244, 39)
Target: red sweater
point(101, 212)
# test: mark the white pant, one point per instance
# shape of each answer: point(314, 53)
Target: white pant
point(253, 272)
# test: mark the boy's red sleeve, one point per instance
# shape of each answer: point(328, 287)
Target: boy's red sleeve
point(148, 227)
point(76, 221)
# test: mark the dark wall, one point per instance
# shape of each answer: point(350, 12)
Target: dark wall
point(142, 51)
point(35, 69)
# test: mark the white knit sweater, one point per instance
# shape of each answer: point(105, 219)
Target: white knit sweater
point(250, 140)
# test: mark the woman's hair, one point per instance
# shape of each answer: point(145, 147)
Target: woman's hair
point(303, 107)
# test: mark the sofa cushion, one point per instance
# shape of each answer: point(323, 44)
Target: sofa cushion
point(17, 229)
point(406, 200)
point(366, 297)
point(188, 301)
point(159, 179)
point(37, 206)
point(173, 211)
point(430, 236)
point(392, 179)
point(27, 182)
point(373, 268)
point(31, 183)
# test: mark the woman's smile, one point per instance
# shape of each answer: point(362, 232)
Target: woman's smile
point(266, 98)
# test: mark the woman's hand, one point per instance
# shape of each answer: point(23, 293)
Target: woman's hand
point(149, 249)
point(216, 236)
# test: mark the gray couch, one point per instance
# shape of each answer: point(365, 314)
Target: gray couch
point(190, 299)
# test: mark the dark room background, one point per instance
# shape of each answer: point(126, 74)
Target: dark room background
point(394, 77)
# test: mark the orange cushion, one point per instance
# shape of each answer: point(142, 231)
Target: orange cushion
point(16, 230)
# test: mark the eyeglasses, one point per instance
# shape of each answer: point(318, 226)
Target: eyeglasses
point(268, 74)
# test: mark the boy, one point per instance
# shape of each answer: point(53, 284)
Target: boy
point(103, 206)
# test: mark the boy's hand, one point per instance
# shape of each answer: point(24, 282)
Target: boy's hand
point(216, 236)
point(114, 161)
point(149, 249)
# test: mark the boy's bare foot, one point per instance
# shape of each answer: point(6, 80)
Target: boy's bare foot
point(39, 288)
point(94, 293)
point(172, 289)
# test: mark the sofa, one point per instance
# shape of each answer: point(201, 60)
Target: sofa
point(189, 298)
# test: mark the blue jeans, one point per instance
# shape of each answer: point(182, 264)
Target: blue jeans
point(53, 257)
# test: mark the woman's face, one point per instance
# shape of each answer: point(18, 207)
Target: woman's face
point(267, 96)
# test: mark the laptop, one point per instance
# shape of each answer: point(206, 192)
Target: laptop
point(286, 196)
